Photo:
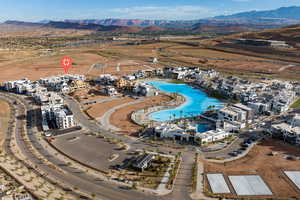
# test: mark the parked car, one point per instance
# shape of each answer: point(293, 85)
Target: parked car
point(233, 153)
point(240, 151)
point(243, 148)
point(245, 145)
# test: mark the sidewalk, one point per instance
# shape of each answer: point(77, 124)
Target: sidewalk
point(198, 193)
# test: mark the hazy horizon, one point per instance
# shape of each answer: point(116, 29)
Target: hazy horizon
point(38, 10)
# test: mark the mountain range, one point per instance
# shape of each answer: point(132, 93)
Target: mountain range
point(240, 22)
point(284, 15)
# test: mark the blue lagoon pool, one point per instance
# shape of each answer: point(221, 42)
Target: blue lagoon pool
point(197, 102)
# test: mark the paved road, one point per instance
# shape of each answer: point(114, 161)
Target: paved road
point(104, 120)
point(88, 183)
point(181, 189)
point(224, 152)
point(183, 181)
point(21, 144)
point(74, 177)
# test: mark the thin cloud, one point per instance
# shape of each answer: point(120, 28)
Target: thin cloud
point(163, 12)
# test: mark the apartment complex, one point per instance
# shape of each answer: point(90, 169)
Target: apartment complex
point(55, 114)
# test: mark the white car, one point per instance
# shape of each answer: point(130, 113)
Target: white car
point(48, 134)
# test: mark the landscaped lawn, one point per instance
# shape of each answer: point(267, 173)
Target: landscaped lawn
point(296, 104)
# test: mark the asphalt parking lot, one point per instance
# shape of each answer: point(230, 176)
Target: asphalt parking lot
point(90, 150)
point(225, 153)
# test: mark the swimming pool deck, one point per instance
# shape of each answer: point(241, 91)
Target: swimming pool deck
point(144, 117)
point(196, 101)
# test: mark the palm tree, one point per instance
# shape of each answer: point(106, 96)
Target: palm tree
point(181, 113)
point(174, 116)
point(211, 107)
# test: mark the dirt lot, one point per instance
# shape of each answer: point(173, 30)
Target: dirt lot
point(201, 52)
point(270, 168)
point(97, 110)
point(121, 118)
point(88, 95)
point(33, 65)
point(4, 118)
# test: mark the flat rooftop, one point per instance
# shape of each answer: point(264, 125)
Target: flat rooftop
point(218, 184)
point(249, 185)
point(294, 176)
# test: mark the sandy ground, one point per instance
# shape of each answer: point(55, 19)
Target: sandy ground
point(270, 168)
point(30, 64)
point(88, 95)
point(248, 66)
point(121, 118)
point(4, 118)
point(21, 64)
point(196, 51)
point(97, 110)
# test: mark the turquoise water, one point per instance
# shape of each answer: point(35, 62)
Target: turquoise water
point(201, 128)
point(197, 102)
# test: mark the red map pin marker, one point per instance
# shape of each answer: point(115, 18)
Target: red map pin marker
point(66, 63)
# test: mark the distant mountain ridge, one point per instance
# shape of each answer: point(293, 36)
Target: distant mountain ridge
point(87, 26)
point(136, 22)
point(22, 23)
point(281, 16)
point(292, 13)
point(240, 22)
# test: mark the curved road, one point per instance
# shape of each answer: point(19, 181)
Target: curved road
point(73, 177)
point(183, 181)
point(88, 183)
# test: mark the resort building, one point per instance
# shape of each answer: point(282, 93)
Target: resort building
point(64, 118)
point(109, 91)
point(129, 77)
point(143, 162)
point(78, 84)
point(144, 89)
point(297, 90)
point(189, 134)
point(173, 131)
point(55, 82)
point(107, 79)
point(18, 86)
point(248, 110)
point(233, 118)
point(212, 136)
point(286, 132)
point(231, 114)
point(296, 121)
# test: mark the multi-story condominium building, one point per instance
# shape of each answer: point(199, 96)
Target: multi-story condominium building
point(109, 91)
point(145, 90)
point(212, 136)
point(64, 118)
point(232, 114)
point(19, 85)
point(296, 121)
point(234, 117)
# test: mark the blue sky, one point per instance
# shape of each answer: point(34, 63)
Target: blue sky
point(35, 10)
